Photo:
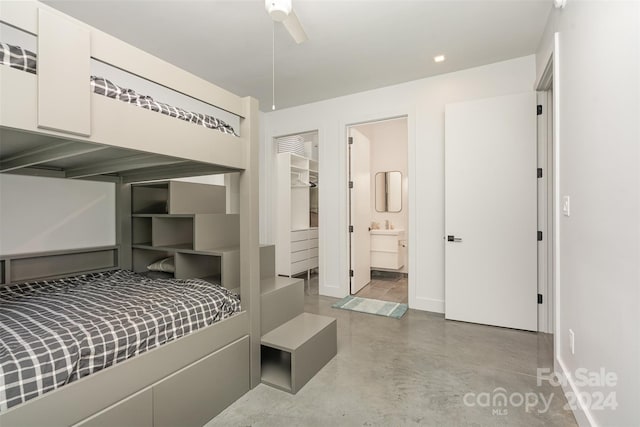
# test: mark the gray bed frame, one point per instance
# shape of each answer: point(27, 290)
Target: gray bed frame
point(190, 380)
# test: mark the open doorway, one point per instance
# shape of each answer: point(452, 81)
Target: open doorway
point(378, 209)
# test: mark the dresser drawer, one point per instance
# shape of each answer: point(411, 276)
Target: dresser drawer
point(313, 262)
point(313, 233)
point(313, 243)
point(313, 253)
point(296, 236)
point(299, 267)
point(299, 256)
point(299, 246)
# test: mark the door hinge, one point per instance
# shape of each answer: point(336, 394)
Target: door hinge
point(351, 229)
point(350, 140)
point(539, 298)
point(539, 172)
point(539, 110)
point(350, 184)
point(350, 273)
point(539, 236)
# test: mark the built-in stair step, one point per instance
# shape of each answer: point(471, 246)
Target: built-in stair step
point(282, 299)
point(294, 352)
point(267, 261)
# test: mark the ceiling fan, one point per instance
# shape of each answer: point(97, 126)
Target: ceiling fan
point(282, 11)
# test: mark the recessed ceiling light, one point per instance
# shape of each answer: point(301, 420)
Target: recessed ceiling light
point(439, 58)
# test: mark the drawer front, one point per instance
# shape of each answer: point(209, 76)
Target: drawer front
point(299, 267)
point(299, 256)
point(390, 260)
point(313, 233)
point(196, 394)
point(136, 410)
point(313, 243)
point(296, 236)
point(299, 246)
point(313, 253)
point(384, 243)
point(313, 262)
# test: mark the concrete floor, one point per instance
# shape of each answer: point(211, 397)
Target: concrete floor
point(414, 371)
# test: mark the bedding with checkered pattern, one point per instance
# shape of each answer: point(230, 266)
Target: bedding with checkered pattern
point(105, 87)
point(17, 57)
point(58, 331)
point(25, 60)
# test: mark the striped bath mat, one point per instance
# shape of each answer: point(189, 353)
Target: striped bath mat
point(372, 306)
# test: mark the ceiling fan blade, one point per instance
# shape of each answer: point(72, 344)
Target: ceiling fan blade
point(292, 24)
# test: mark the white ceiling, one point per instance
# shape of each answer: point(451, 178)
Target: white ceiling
point(353, 45)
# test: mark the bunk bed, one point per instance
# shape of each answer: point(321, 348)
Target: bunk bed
point(59, 119)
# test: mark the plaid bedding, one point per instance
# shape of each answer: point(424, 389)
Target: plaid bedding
point(22, 59)
point(17, 57)
point(55, 332)
point(105, 87)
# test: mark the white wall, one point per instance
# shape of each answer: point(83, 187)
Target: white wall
point(597, 88)
point(389, 152)
point(46, 214)
point(422, 101)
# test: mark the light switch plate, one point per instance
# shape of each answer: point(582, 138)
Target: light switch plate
point(566, 205)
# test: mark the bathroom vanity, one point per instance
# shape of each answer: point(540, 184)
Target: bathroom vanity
point(386, 249)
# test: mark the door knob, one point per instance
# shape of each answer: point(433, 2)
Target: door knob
point(454, 239)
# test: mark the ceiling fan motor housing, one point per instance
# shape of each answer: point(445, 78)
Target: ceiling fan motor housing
point(278, 9)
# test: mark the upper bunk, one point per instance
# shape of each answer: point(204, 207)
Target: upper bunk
point(58, 121)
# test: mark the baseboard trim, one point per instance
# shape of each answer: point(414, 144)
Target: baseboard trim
point(332, 291)
point(582, 413)
point(426, 304)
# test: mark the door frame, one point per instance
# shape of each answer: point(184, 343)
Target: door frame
point(548, 160)
point(410, 202)
point(350, 210)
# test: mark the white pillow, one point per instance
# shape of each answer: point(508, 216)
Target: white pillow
point(166, 264)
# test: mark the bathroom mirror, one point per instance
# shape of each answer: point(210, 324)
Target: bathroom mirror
point(389, 191)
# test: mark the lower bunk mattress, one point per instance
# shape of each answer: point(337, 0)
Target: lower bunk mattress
point(57, 331)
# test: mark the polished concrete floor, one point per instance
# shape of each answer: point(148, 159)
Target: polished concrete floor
point(418, 370)
point(386, 287)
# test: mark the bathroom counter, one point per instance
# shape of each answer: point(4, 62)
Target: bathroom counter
point(394, 232)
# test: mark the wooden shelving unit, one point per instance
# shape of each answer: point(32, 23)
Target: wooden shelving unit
point(187, 221)
point(296, 238)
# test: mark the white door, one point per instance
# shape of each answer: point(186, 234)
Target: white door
point(490, 211)
point(360, 209)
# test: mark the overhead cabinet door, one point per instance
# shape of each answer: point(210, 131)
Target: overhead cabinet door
point(64, 69)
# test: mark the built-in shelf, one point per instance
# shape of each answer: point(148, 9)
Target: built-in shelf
point(177, 197)
point(187, 221)
point(276, 368)
point(186, 249)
